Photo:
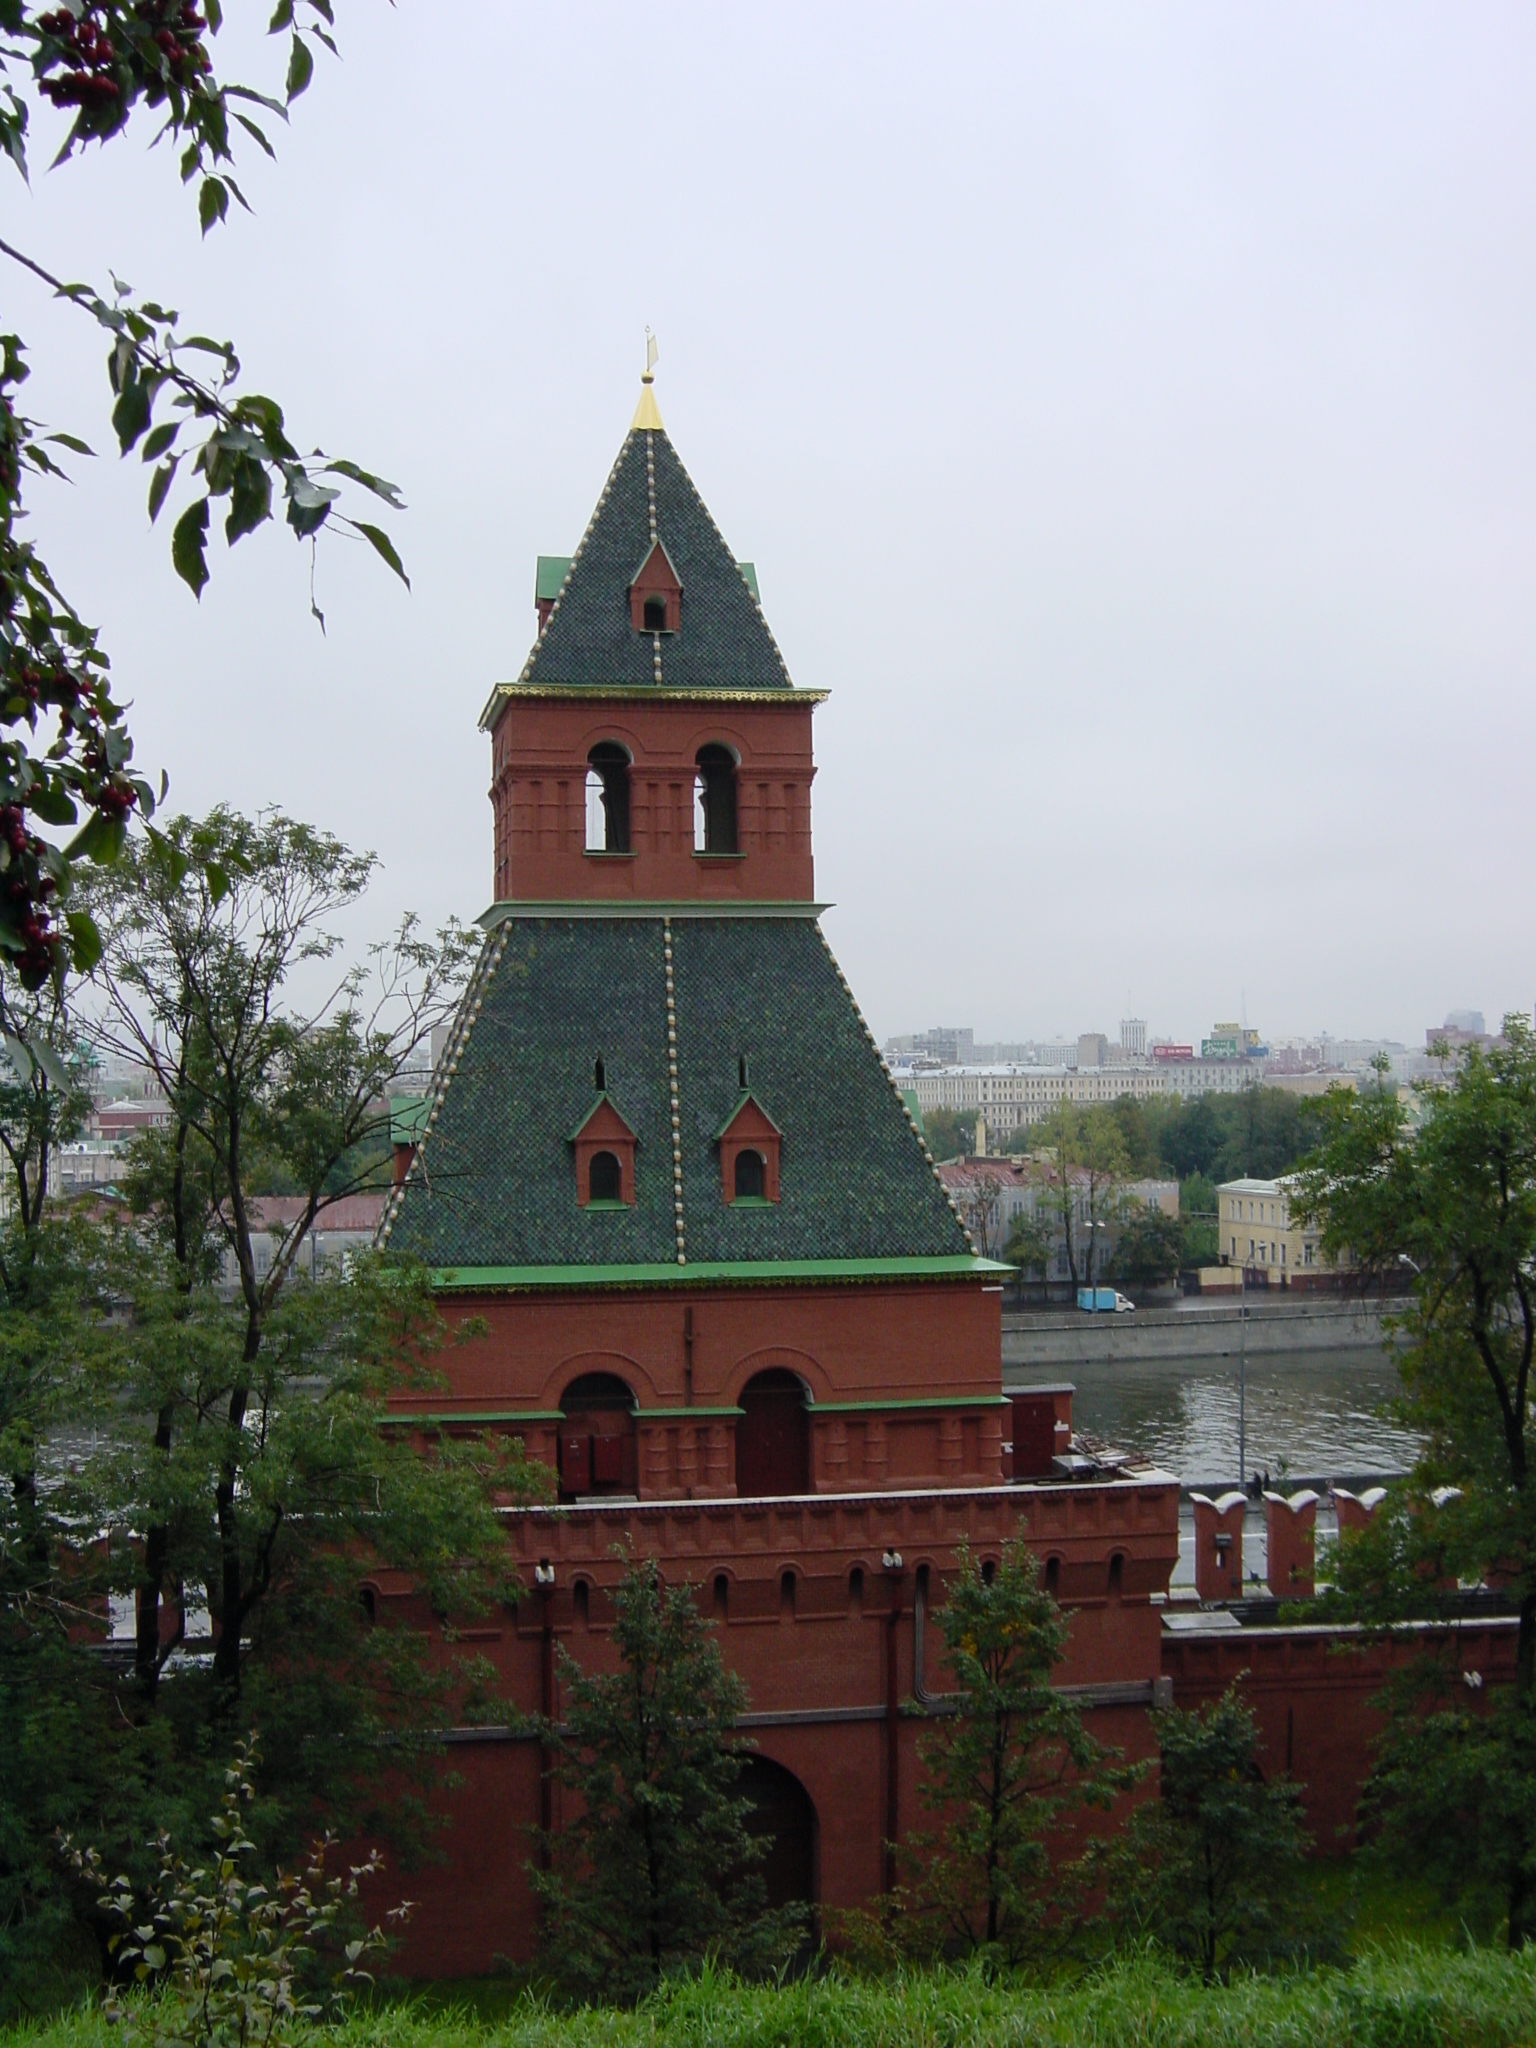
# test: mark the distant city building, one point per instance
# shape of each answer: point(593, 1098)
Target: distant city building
point(1092, 1049)
point(1133, 1036)
point(1011, 1097)
point(947, 1044)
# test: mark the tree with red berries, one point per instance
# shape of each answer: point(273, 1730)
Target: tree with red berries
point(68, 790)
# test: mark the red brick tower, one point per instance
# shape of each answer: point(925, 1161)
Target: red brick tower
point(727, 1299)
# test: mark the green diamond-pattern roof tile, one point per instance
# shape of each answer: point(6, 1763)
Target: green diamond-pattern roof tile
point(495, 1184)
point(589, 642)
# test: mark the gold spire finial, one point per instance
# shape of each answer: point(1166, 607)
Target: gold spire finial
point(646, 414)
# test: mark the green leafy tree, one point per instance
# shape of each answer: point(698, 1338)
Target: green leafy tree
point(233, 1958)
point(947, 1135)
point(1149, 1248)
point(1208, 1869)
point(222, 1461)
point(206, 924)
point(1449, 1194)
point(1082, 1168)
point(65, 752)
point(1006, 1761)
point(1031, 1243)
point(659, 1869)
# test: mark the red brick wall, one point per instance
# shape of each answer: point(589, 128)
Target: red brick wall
point(1313, 1690)
point(884, 1346)
point(538, 793)
point(815, 1665)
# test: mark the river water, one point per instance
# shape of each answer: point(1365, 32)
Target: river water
point(1310, 1414)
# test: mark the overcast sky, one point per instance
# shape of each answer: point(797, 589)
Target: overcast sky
point(1129, 411)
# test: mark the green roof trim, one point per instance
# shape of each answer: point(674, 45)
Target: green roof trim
point(499, 913)
point(399, 1418)
point(749, 577)
point(762, 1272)
point(933, 1401)
point(681, 1414)
point(549, 573)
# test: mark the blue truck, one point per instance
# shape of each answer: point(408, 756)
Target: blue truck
point(1103, 1301)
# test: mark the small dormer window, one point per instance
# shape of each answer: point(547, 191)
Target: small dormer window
point(656, 594)
point(604, 1145)
point(749, 1142)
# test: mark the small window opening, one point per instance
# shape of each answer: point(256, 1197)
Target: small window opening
point(722, 1597)
point(655, 616)
point(1116, 1574)
point(608, 799)
point(787, 1596)
point(606, 1182)
point(856, 1589)
point(988, 1571)
point(1052, 1575)
point(749, 1176)
point(582, 1599)
point(714, 802)
point(368, 1601)
point(741, 1072)
point(599, 1075)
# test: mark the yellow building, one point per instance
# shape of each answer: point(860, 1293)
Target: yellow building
point(1256, 1230)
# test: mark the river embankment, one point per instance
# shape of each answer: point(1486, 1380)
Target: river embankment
point(1069, 1339)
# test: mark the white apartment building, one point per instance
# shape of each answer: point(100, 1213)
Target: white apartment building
point(1008, 1097)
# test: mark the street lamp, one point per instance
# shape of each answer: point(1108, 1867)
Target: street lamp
point(1242, 1385)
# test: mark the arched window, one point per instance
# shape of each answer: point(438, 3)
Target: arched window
point(714, 801)
point(749, 1176)
point(607, 1182)
point(655, 620)
point(1053, 1576)
point(722, 1597)
point(608, 799)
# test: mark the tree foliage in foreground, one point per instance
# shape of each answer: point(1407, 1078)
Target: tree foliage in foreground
point(65, 753)
point(1005, 1767)
point(1449, 1190)
point(231, 1958)
point(221, 1460)
point(659, 1869)
point(1208, 1869)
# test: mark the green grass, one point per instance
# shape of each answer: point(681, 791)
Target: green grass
point(1403, 1997)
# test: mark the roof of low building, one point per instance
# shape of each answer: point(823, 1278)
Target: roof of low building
point(494, 1184)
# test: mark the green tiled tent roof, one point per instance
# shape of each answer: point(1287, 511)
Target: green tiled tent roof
point(494, 1185)
point(589, 641)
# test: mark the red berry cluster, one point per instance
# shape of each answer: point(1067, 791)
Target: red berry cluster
point(24, 893)
point(91, 83)
point(95, 79)
point(30, 688)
